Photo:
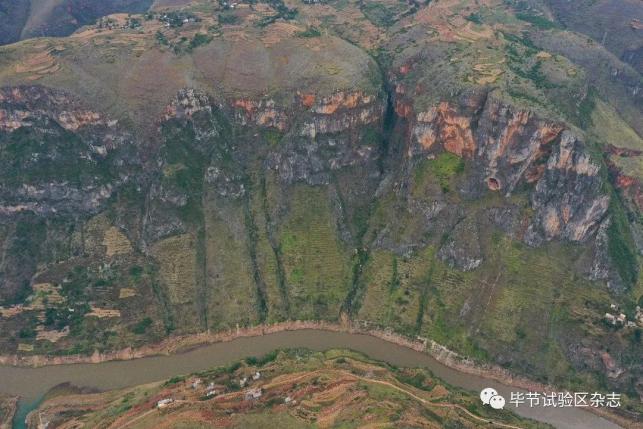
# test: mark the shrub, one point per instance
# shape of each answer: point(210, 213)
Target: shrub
point(142, 326)
point(538, 21)
point(228, 18)
point(310, 32)
point(475, 18)
point(200, 39)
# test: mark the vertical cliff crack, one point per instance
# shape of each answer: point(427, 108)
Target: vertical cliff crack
point(477, 114)
point(202, 261)
point(424, 298)
point(253, 238)
point(352, 303)
point(164, 301)
point(276, 249)
point(145, 213)
point(361, 223)
point(388, 126)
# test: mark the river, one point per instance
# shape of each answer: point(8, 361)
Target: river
point(32, 383)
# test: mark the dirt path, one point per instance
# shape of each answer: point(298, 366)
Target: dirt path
point(135, 419)
point(434, 404)
point(344, 374)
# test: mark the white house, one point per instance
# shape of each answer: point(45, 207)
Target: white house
point(164, 402)
point(253, 394)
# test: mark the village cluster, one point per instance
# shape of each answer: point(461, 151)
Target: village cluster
point(210, 391)
point(619, 319)
point(179, 18)
point(168, 19)
point(229, 5)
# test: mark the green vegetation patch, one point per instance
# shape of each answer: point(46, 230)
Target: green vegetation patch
point(262, 360)
point(228, 18)
point(443, 168)
point(309, 32)
point(475, 18)
point(539, 21)
point(315, 261)
point(380, 14)
point(586, 108)
point(273, 137)
point(621, 246)
point(30, 156)
point(200, 39)
point(141, 327)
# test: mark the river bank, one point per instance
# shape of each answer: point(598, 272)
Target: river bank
point(183, 344)
point(179, 344)
point(8, 407)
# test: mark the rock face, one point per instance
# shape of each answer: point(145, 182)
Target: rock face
point(513, 145)
point(220, 198)
point(187, 103)
point(433, 176)
point(262, 113)
point(24, 106)
point(506, 148)
point(55, 151)
point(462, 249)
point(329, 136)
point(447, 125)
point(509, 147)
point(569, 199)
point(207, 151)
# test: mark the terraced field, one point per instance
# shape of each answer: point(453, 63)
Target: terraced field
point(293, 389)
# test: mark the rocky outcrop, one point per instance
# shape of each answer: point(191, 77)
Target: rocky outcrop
point(512, 145)
point(333, 133)
point(264, 113)
point(508, 150)
point(505, 146)
point(600, 268)
point(506, 143)
point(8, 407)
point(462, 249)
point(569, 199)
point(186, 104)
point(24, 106)
point(508, 146)
point(56, 151)
point(445, 125)
point(340, 112)
point(55, 198)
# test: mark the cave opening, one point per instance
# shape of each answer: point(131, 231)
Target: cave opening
point(493, 183)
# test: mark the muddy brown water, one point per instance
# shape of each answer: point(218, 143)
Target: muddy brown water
point(31, 383)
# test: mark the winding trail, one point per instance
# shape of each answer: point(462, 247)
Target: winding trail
point(437, 404)
point(345, 374)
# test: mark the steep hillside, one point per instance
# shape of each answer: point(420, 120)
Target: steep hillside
point(447, 170)
point(618, 25)
point(13, 16)
point(24, 19)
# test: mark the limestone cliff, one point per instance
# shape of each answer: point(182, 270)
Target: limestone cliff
point(433, 176)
